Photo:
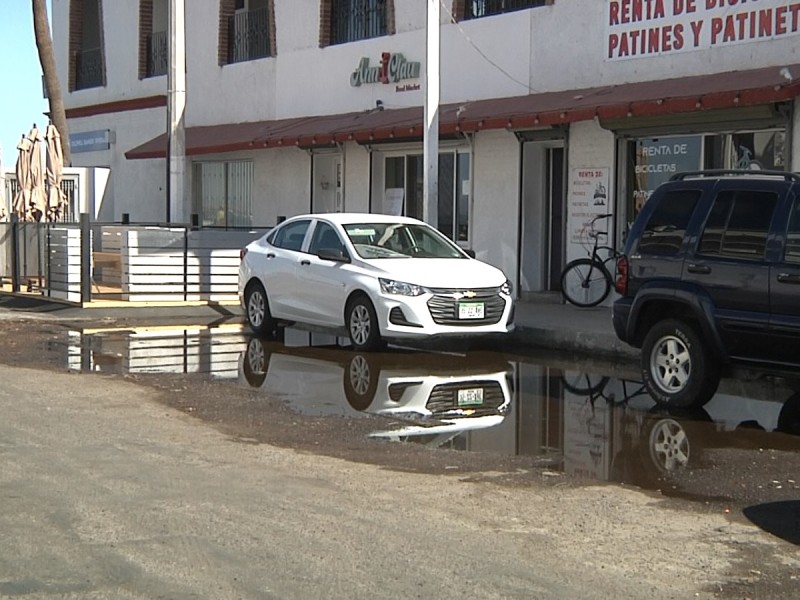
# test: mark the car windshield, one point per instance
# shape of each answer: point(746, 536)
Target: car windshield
point(400, 240)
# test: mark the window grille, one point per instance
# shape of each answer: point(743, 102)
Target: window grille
point(157, 54)
point(353, 20)
point(248, 35)
point(485, 8)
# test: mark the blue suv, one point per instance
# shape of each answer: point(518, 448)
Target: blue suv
point(710, 277)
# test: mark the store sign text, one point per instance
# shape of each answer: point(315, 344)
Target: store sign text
point(639, 28)
point(391, 69)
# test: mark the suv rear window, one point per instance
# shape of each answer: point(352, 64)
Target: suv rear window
point(663, 233)
point(738, 224)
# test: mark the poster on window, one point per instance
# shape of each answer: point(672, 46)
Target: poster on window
point(588, 198)
point(655, 160)
point(393, 201)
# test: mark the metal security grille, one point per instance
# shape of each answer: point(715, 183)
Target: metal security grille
point(157, 55)
point(69, 187)
point(248, 35)
point(88, 68)
point(484, 8)
point(353, 20)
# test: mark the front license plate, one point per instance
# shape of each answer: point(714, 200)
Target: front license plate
point(470, 397)
point(470, 310)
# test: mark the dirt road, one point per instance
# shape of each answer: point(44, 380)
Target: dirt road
point(113, 489)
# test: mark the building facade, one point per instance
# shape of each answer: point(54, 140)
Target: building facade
point(551, 111)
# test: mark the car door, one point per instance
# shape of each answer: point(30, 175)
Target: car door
point(730, 263)
point(283, 256)
point(785, 289)
point(322, 284)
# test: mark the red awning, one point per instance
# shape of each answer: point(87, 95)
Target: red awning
point(647, 98)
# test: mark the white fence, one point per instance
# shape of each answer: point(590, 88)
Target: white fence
point(80, 263)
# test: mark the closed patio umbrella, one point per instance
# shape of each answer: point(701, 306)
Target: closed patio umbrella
point(38, 200)
point(23, 171)
point(55, 168)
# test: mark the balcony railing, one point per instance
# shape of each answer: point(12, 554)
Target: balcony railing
point(248, 35)
point(484, 8)
point(353, 20)
point(157, 56)
point(88, 68)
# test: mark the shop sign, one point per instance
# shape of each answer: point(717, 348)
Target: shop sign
point(588, 197)
point(90, 141)
point(640, 28)
point(392, 68)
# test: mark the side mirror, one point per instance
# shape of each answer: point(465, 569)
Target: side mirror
point(470, 252)
point(334, 255)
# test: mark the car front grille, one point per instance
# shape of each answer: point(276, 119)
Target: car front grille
point(444, 306)
point(444, 397)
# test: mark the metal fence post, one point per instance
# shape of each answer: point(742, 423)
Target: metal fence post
point(15, 253)
point(185, 263)
point(86, 259)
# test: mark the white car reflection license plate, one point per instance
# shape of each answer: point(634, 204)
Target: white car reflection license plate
point(470, 310)
point(470, 397)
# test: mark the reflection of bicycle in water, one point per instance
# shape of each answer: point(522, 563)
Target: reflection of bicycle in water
point(746, 161)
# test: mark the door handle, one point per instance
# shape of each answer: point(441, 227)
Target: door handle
point(305, 262)
point(787, 278)
point(701, 269)
point(270, 255)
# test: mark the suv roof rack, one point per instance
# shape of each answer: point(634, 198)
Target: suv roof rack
point(731, 172)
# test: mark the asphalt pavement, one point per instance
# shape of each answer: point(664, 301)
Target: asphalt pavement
point(543, 321)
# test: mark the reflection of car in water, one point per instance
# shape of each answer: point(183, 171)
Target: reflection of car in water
point(616, 432)
point(434, 395)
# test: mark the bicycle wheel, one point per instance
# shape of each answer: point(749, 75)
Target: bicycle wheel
point(585, 282)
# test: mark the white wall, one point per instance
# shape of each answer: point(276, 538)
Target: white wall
point(495, 200)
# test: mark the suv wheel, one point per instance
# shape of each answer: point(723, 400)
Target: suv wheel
point(676, 367)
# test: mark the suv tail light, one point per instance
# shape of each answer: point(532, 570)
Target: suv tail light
point(242, 253)
point(621, 284)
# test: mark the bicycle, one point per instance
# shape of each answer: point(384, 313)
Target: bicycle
point(587, 282)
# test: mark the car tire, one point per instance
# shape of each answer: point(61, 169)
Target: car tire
point(360, 382)
point(677, 369)
point(789, 418)
point(362, 324)
point(256, 305)
point(255, 363)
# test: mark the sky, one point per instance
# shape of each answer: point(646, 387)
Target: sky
point(22, 102)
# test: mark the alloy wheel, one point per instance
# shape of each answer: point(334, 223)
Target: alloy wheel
point(671, 364)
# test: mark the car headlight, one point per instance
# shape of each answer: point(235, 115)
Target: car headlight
point(400, 288)
point(507, 287)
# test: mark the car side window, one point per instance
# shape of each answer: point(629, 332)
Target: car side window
point(325, 236)
point(792, 250)
point(738, 224)
point(664, 231)
point(291, 235)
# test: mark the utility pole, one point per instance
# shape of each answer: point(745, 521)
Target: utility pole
point(430, 195)
point(176, 109)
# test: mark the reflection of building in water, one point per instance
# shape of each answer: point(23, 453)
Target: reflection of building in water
point(213, 351)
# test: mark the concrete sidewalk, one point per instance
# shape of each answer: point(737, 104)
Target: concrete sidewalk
point(544, 322)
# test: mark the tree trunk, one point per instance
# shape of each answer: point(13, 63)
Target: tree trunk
point(44, 43)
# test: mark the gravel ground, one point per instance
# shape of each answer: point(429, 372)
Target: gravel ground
point(102, 470)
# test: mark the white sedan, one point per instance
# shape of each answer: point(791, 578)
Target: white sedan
point(377, 276)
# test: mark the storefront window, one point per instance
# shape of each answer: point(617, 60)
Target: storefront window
point(223, 193)
point(652, 161)
point(404, 187)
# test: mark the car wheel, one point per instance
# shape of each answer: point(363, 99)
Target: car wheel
point(362, 324)
point(789, 418)
point(668, 445)
point(677, 370)
point(257, 306)
point(360, 382)
point(255, 363)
